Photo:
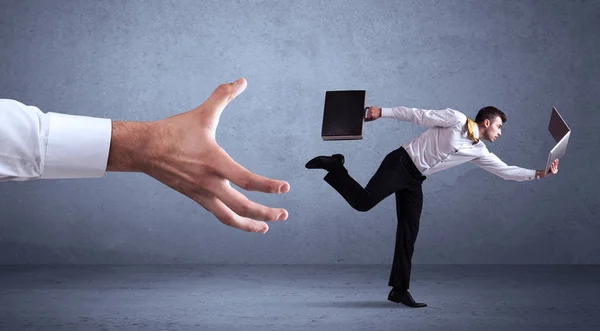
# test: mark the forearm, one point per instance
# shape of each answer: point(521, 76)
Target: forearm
point(23, 140)
point(53, 145)
point(491, 163)
point(443, 117)
point(397, 113)
point(514, 173)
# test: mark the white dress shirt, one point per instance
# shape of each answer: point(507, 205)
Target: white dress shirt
point(445, 144)
point(36, 145)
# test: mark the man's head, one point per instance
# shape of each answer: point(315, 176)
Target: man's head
point(489, 120)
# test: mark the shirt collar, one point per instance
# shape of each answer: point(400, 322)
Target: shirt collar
point(476, 131)
point(475, 134)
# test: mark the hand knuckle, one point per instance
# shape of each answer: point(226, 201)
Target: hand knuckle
point(227, 220)
point(200, 183)
point(222, 88)
point(245, 209)
point(245, 183)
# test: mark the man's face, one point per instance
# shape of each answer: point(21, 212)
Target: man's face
point(493, 129)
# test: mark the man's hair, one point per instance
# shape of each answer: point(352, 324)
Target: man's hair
point(489, 113)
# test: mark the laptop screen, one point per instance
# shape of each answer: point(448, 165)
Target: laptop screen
point(557, 127)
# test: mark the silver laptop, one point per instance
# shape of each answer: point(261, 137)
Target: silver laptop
point(560, 132)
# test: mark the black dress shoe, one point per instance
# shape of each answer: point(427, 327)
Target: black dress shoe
point(336, 161)
point(404, 297)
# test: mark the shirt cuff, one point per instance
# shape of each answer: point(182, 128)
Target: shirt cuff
point(387, 113)
point(530, 174)
point(77, 146)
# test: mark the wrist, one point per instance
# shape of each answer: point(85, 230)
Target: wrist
point(538, 174)
point(130, 146)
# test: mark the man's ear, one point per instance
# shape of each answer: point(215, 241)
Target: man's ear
point(486, 123)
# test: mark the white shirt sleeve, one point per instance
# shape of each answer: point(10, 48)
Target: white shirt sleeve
point(35, 145)
point(490, 162)
point(428, 117)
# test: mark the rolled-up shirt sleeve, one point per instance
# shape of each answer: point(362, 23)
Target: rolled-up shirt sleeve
point(428, 117)
point(490, 162)
point(36, 145)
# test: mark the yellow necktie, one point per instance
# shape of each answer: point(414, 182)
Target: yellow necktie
point(470, 125)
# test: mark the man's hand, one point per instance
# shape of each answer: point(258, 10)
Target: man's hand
point(373, 113)
point(553, 170)
point(181, 152)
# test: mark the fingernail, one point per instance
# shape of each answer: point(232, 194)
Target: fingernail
point(284, 188)
point(281, 217)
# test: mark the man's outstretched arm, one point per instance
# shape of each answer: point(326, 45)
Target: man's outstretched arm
point(492, 163)
point(180, 151)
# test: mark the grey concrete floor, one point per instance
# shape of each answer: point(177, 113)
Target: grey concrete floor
point(296, 297)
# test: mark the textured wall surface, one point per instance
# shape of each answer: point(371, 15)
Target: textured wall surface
point(140, 60)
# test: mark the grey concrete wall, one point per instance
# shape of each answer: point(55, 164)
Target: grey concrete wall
point(142, 60)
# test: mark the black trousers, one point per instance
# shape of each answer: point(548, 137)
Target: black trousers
point(397, 174)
